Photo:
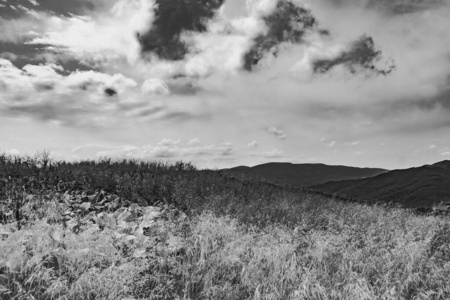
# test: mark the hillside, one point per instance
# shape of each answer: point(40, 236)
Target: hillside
point(419, 187)
point(302, 175)
point(148, 230)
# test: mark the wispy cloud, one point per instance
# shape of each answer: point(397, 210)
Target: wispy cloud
point(277, 132)
point(166, 149)
point(275, 153)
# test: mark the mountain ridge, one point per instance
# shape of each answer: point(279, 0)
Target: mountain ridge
point(417, 187)
point(303, 175)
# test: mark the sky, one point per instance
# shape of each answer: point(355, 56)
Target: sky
point(222, 83)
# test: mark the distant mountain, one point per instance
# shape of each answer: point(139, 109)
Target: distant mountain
point(414, 188)
point(302, 175)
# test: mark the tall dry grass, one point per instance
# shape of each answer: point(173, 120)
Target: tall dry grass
point(348, 251)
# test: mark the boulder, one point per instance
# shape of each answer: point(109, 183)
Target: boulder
point(150, 215)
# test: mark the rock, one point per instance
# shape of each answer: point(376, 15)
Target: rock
point(139, 253)
point(151, 213)
point(118, 212)
point(73, 225)
point(56, 235)
point(116, 202)
point(130, 238)
point(103, 201)
point(100, 207)
point(127, 227)
point(124, 216)
point(88, 218)
point(134, 207)
point(85, 205)
point(148, 224)
point(118, 235)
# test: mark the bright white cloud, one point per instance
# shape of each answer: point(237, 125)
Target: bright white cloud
point(155, 86)
point(103, 37)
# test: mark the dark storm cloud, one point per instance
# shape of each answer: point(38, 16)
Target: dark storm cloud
point(172, 18)
point(18, 8)
point(288, 23)
point(361, 55)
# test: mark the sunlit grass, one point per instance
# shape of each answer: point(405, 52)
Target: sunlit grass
point(362, 253)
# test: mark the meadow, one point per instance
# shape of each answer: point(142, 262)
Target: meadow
point(151, 230)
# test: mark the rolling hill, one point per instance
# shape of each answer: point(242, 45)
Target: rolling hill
point(303, 175)
point(420, 187)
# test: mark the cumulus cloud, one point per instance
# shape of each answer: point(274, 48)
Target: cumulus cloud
point(43, 92)
point(155, 85)
point(165, 150)
point(277, 132)
point(193, 142)
point(102, 37)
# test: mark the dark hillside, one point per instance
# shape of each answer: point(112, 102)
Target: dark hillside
point(302, 175)
point(420, 187)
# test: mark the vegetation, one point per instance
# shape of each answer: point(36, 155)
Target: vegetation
point(69, 231)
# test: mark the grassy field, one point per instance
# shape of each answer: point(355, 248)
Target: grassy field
point(71, 231)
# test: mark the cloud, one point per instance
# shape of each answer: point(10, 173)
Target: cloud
point(172, 18)
point(361, 55)
point(169, 142)
point(316, 79)
point(43, 92)
point(193, 142)
point(275, 153)
point(331, 144)
point(253, 145)
point(155, 86)
point(9, 151)
point(54, 7)
point(100, 38)
point(287, 22)
point(277, 132)
point(165, 150)
point(395, 7)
